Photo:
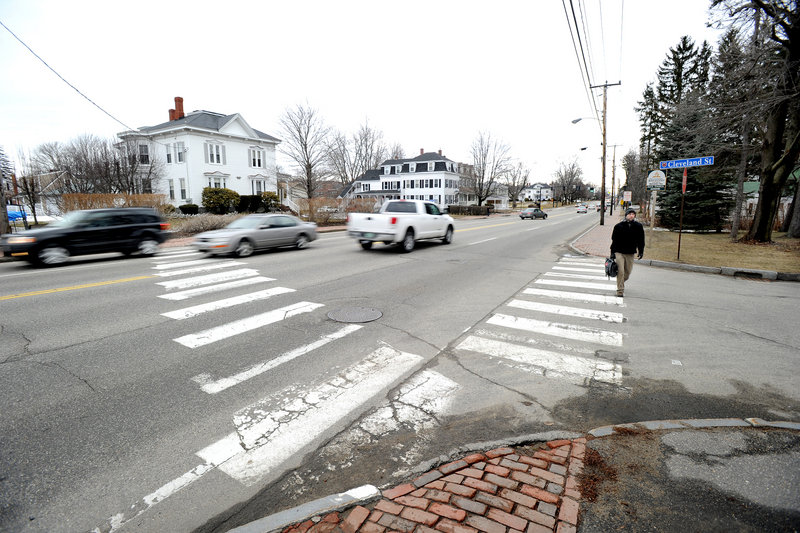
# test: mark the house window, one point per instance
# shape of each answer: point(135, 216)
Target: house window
point(183, 189)
point(399, 168)
point(430, 166)
point(258, 186)
point(144, 154)
point(366, 187)
point(171, 188)
point(179, 152)
point(412, 167)
point(215, 154)
point(256, 157)
point(169, 155)
point(216, 182)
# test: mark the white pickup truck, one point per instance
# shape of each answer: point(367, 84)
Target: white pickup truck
point(403, 222)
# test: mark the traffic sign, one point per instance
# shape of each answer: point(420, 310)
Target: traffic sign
point(687, 163)
point(656, 181)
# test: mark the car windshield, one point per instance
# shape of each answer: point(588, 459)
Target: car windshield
point(71, 219)
point(248, 222)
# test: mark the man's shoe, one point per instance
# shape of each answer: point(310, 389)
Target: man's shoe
point(619, 293)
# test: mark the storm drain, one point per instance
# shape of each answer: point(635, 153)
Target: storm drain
point(356, 315)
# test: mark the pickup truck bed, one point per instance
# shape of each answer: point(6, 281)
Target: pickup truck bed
point(401, 222)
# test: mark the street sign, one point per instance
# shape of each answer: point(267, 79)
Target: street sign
point(626, 196)
point(687, 163)
point(656, 181)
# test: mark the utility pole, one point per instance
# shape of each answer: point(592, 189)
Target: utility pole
point(605, 87)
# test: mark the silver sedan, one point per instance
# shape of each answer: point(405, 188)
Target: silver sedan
point(245, 235)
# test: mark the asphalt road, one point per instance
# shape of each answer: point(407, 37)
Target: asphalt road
point(134, 401)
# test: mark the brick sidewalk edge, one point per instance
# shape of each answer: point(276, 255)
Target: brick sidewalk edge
point(524, 489)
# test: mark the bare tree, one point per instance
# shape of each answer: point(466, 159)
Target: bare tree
point(396, 152)
point(516, 180)
point(351, 158)
point(568, 181)
point(779, 126)
point(5, 174)
point(490, 162)
point(305, 142)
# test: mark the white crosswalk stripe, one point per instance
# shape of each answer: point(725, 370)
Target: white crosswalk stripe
point(201, 268)
point(191, 293)
point(225, 331)
point(214, 386)
point(567, 331)
point(272, 431)
point(576, 269)
point(575, 276)
point(577, 284)
point(578, 370)
point(189, 312)
point(575, 296)
point(567, 311)
point(208, 279)
point(182, 264)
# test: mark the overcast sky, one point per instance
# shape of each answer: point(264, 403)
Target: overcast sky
point(428, 74)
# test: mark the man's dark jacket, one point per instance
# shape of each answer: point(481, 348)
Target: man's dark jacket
point(627, 237)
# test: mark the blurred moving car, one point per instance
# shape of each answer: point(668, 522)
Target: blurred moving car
point(582, 209)
point(531, 213)
point(245, 235)
point(92, 231)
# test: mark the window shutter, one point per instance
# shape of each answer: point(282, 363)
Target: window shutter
point(223, 154)
point(206, 151)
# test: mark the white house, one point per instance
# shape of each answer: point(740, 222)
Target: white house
point(429, 176)
point(206, 149)
point(538, 192)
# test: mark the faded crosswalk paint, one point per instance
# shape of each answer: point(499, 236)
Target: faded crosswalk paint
point(578, 370)
point(189, 312)
point(567, 311)
point(567, 331)
point(576, 296)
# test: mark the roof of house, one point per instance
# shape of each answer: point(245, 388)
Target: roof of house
point(206, 120)
point(428, 156)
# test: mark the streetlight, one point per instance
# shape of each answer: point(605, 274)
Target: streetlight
point(603, 161)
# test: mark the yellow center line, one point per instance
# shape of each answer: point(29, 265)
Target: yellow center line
point(74, 287)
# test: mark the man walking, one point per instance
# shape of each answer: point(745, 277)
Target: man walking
point(626, 239)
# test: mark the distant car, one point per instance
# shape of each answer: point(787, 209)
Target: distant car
point(582, 209)
point(597, 206)
point(125, 229)
point(245, 235)
point(531, 213)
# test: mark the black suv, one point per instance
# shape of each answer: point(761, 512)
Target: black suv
point(125, 229)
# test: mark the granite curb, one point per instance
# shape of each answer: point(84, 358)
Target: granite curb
point(599, 248)
point(499, 490)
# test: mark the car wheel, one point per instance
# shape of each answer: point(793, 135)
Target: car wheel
point(366, 245)
point(244, 248)
point(544, 217)
point(52, 254)
point(407, 243)
point(448, 235)
point(148, 246)
point(301, 242)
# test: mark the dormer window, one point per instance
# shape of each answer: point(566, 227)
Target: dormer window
point(430, 166)
point(399, 169)
point(412, 167)
point(385, 171)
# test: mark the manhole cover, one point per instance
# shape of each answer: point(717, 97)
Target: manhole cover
point(355, 314)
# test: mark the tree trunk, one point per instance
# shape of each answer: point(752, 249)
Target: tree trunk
point(793, 230)
point(740, 176)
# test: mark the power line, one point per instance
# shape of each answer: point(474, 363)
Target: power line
point(62, 77)
point(585, 78)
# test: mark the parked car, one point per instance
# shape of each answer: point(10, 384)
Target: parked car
point(582, 209)
point(531, 213)
point(126, 229)
point(245, 235)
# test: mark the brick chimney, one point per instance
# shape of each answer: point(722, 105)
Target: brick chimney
point(440, 151)
point(179, 108)
point(421, 151)
point(171, 115)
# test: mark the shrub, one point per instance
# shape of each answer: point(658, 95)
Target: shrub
point(191, 225)
point(270, 201)
point(220, 200)
point(189, 209)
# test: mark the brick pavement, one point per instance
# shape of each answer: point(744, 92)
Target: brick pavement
point(597, 241)
point(503, 490)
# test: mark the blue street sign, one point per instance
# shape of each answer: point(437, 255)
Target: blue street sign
point(687, 163)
